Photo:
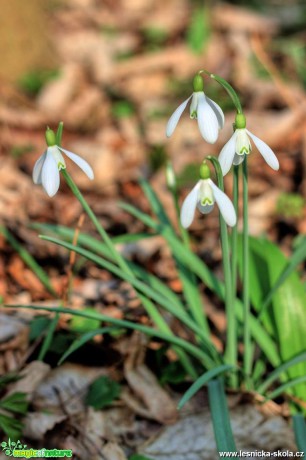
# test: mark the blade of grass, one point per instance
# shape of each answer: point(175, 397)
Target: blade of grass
point(99, 247)
point(280, 370)
point(184, 344)
point(192, 261)
point(286, 386)
point(220, 416)
point(122, 264)
point(79, 342)
point(190, 288)
point(48, 339)
point(144, 289)
point(203, 380)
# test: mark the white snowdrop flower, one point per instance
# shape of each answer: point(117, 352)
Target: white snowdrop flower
point(208, 114)
point(239, 145)
point(47, 167)
point(203, 197)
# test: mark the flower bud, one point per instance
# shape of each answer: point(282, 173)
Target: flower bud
point(240, 121)
point(198, 84)
point(204, 171)
point(50, 137)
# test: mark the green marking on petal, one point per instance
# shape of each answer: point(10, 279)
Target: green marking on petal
point(244, 150)
point(61, 165)
point(194, 114)
point(205, 201)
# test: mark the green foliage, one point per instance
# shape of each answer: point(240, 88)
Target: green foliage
point(203, 380)
point(122, 109)
point(157, 157)
point(78, 324)
point(154, 37)
point(285, 312)
point(32, 82)
point(18, 151)
point(102, 392)
point(220, 416)
point(290, 205)
point(299, 426)
point(10, 406)
point(138, 457)
point(38, 326)
point(198, 32)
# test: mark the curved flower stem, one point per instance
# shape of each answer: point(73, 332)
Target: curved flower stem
point(247, 353)
point(231, 339)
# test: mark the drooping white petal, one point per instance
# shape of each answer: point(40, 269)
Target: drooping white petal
point(218, 111)
point(173, 120)
point(238, 159)
point(189, 206)
point(50, 177)
point(265, 151)
point(86, 168)
point(226, 156)
point(38, 168)
point(207, 121)
point(225, 205)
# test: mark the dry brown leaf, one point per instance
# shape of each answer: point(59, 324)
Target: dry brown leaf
point(31, 377)
point(65, 387)
point(158, 403)
point(36, 424)
point(192, 437)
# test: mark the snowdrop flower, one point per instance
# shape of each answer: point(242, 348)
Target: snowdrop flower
point(209, 115)
point(239, 145)
point(47, 167)
point(203, 196)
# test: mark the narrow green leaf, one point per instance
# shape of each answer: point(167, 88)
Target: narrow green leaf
point(16, 402)
point(203, 380)
point(48, 339)
point(190, 288)
point(280, 370)
point(11, 427)
point(153, 281)
point(140, 286)
point(79, 342)
point(287, 386)
point(184, 344)
point(220, 416)
point(299, 427)
point(211, 281)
